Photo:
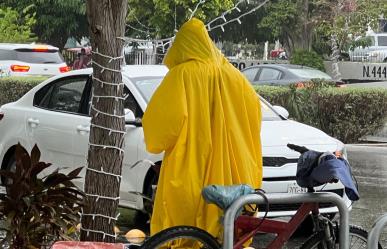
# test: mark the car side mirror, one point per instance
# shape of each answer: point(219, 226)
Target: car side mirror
point(281, 111)
point(130, 118)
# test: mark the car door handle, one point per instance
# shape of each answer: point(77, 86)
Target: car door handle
point(83, 128)
point(33, 122)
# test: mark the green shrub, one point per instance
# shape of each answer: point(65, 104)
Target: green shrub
point(345, 113)
point(276, 95)
point(307, 58)
point(351, 113)
point(12, 88)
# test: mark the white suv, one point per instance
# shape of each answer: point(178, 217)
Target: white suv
point(30, 59)
point(376, 52)
point(55, 116)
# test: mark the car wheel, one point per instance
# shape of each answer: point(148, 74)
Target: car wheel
point(11, 166)
point(142, 218)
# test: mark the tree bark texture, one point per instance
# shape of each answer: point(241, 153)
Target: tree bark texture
point(106, 23)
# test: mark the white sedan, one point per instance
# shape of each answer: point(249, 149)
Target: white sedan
point(30, 59)
point(55, 116)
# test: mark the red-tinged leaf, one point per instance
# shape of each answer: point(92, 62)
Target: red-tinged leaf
point(69, 184)
point(55, 179)
point(73, 174)
point(39, 167)
point(35, 155)
point(8, 174)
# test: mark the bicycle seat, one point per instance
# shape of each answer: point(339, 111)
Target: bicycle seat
point(224, 196)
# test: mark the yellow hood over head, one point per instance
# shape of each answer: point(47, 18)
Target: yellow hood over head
point(192, 42)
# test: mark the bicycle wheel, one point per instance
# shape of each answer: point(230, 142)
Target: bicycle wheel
point(181, 237)
point(357, 239)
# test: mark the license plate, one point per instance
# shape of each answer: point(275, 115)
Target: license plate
point(293, 188)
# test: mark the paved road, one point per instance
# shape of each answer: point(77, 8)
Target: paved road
point(369, 165)
point(370, 84)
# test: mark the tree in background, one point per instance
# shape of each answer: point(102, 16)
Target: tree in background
point(56, 20)
point(348, 20)
point(15, 26)
point(309, 24)
point(160, 18)
point(293, 22)
point(246, 32)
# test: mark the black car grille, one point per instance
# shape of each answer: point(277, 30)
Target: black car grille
point(295, 206)
point(278, 161)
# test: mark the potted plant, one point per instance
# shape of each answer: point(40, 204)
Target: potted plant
point(37, 210)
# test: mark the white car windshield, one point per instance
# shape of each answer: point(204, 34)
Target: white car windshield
point(147, 86)
point(310, 73)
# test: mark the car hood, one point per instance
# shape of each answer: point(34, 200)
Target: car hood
point(282, 132)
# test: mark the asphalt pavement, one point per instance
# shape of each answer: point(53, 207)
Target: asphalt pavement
point(369, 165)
point(382, 84)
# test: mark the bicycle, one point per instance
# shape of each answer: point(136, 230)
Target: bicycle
point(326, 233)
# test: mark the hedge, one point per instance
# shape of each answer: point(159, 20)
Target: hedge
point(12, 88)
point(345, 113)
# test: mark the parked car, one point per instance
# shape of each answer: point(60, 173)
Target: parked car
point(59, 124)
point(30, 59)
point(283, 74)
point(376, 51)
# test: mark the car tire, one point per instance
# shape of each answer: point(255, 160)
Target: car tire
point(142, 218)
point(11, 166)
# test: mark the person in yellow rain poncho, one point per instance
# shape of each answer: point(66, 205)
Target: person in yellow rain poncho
point(206, 117)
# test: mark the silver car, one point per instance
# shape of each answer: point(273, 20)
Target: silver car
point(282, 74)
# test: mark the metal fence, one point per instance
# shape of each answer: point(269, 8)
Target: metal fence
point(375, 56)
point(143, 58)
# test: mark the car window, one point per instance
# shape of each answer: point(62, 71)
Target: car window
point(269, 74)
point(41, 57)
point(131, 103)
point(7, 55)
point(267, 112)
point(63, 95)
point(382, 40)
point(147, 85)
point(369, 40)
point(251, 73)
point(309, 73)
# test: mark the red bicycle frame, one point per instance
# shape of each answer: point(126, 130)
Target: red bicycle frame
point(247, 226)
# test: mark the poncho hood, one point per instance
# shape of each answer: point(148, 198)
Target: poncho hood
point(192, 42)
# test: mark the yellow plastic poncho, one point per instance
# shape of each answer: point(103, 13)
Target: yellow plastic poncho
point(206, 117)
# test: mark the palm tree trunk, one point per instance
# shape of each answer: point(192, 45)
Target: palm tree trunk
point(102, 182)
